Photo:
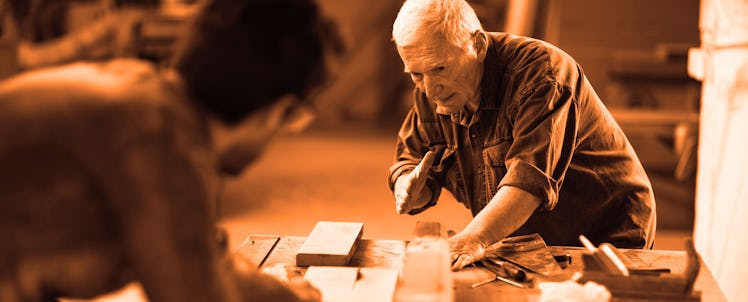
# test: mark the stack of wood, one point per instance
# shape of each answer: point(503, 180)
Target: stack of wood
point(328, 251)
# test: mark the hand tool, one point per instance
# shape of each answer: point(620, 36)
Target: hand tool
point(512, 271)
point(606, 255)
point(528, 252)
point(519, 243)
point(500, 271)
point(562, 257)
point(497, 277)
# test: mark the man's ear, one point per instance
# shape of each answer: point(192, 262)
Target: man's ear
point(480, 43)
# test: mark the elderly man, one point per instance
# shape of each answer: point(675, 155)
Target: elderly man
point(514, 130)
point(109, 169)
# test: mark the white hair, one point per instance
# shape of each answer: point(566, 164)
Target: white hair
point(455, 19)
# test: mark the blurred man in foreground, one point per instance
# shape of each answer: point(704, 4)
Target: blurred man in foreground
point(109, 169)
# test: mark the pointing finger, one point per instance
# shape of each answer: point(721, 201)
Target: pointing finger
point(425, 164)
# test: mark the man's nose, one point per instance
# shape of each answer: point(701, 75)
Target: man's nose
point(433, 87)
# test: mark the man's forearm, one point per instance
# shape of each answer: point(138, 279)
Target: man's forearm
point(508, 210)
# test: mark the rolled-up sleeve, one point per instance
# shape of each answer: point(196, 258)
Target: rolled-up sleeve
point(410, 148)
point(544, 138)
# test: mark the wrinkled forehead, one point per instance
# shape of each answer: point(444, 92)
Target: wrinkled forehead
point(427, 51)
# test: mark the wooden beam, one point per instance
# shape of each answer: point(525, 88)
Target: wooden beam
point(330, 244)
point(426, 274)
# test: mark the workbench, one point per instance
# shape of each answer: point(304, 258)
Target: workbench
point(269, 250)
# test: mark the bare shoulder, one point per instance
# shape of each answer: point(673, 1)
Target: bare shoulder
point(76, 94)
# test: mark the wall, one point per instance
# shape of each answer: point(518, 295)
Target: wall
point(722, 185)
point(604, 34)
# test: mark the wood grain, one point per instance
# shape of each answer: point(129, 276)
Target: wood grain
point(379, 253)
point(330, 244)
point(285, 251)
point(342, 284)
point(256, 248)
point(389, 253)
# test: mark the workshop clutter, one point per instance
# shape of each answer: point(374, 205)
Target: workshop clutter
point(344, 267)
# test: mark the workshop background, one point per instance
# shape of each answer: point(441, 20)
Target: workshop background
point(637, 54)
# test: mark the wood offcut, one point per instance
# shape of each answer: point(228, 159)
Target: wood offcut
point(330, 244)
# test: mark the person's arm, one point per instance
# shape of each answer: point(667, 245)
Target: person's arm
point(505, 213)
point(545, 135)
point(413, 192)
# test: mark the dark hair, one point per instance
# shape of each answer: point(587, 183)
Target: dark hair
point(241, 55)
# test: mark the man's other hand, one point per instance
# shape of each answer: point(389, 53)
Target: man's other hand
point(465, 249)
point(411, 191)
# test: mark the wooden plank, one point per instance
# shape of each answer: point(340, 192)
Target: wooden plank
point(375, 284)
point(390, 253)
point(285, 251)
point(370, 253)
point(379, 253)
point(426, 274)
point(427, 229)
point(330, 243)
point(342, 284)
point(334, 282)
point(256, 248)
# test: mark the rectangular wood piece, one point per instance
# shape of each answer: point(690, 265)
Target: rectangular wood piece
point(361, 284)
point(330, 244)
point(426, 274)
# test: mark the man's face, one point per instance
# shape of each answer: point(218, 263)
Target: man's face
point(449, 76)
point(242, 144)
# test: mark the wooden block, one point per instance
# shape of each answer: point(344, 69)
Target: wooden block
point(427, 229)
point(334, 282)
point(379, 253)
point(330, 244)
point(352, 283)
point(426, 274)
point(375, 284)
point(606, 254)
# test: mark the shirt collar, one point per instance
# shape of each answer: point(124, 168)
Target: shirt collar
point(492, 69)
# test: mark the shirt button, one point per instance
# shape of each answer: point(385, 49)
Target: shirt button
point(473, 135)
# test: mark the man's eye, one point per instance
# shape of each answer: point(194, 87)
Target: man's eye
point(416, 75)
point(440, 68)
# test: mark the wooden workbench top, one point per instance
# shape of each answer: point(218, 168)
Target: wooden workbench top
point(269, 250)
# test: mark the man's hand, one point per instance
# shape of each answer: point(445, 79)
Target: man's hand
point(411, 191)
point(465, 249)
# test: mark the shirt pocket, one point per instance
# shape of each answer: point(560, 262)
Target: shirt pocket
point(445, 161)
point(495, 165)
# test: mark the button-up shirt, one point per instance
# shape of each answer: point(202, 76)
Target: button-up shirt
point(539, 127)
